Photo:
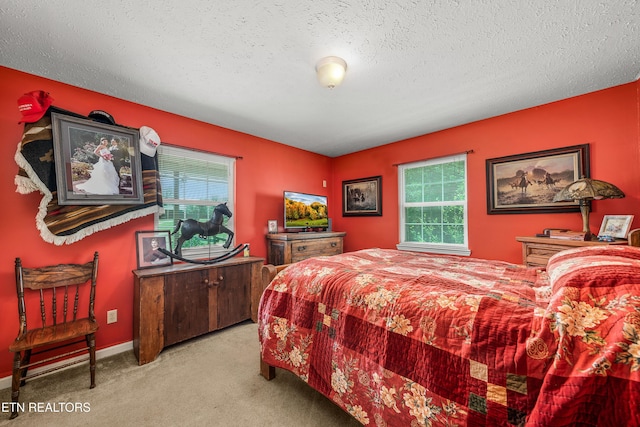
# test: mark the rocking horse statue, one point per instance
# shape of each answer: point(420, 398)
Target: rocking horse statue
point(190, 227)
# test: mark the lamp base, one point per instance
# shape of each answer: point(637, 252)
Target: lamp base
point(584, 210)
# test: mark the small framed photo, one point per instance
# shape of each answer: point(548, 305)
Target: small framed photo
point(96, 163)
point(362, 197)
point(617, 226)
point(272, 226)
point(148, 244)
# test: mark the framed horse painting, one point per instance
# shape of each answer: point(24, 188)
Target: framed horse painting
point(362, 197)
point(527, 183)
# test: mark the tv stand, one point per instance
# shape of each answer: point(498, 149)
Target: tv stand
point(287, 248)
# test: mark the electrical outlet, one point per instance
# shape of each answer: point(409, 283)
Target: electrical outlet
point(112, 316)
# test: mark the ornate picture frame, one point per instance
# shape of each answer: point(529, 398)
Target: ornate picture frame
point(147, 244)
point(362, 197)
point(527, 183)
point(96, 163)
point(617, 226)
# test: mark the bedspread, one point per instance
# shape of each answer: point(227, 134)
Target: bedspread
point(408, 339)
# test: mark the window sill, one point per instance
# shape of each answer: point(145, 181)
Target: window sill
point(436, 249)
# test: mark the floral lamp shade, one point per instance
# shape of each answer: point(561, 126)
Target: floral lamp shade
point(584, 190)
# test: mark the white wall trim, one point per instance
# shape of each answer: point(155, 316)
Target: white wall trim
point(100, 354)
point(433, 248)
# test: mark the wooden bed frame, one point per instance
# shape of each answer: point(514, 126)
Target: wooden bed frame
point(269, 271)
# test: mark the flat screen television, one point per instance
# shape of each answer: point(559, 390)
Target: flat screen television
point(303, 211)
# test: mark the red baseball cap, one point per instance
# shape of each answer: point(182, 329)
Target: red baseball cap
point(33, 105)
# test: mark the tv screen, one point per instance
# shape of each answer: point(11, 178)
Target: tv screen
point(302, 210)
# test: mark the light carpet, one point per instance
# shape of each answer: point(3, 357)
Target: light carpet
point(212, 380)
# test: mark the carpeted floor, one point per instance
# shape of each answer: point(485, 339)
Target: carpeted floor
point(208, 381)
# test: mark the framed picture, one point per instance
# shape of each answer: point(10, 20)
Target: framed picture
point(527, 183)
point(96, 163)
point(362, 197)
point(617, 226)
point(147, 245)
point(272, 226)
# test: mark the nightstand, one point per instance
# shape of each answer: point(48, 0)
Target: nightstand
point(536, 251)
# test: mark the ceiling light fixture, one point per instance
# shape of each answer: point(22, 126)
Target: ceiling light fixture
point(331, 71)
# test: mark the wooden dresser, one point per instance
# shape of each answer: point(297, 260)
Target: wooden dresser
point(174, 303)
point(286, 248)
point(536, 251)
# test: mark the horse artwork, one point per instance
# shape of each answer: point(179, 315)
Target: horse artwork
point(190, 227)
point(522, 181)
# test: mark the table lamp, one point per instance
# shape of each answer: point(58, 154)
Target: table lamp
point(584, 190)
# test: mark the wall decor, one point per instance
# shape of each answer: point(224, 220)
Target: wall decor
point(617, 226)
point(527, 183)
point(96, 163)
point(147, 245)
point(362, 197)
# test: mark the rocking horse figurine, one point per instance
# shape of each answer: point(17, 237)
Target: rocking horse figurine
point(191, 227)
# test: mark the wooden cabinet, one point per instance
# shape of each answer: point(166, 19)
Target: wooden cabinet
point(286, 248)
point(536, 251)
point(175, 303)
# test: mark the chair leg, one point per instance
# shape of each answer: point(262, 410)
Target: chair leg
point(91, 342)
point(25, 361)
point(15, 384)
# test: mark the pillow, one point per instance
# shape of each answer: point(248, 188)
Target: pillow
point(595, 266)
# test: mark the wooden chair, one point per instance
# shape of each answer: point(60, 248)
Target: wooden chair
point(63, 290)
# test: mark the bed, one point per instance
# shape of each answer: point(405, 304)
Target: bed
point(398, 338)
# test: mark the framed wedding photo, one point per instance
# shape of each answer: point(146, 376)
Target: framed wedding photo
point(148, 244)
point(617, 226)
point(96, 163)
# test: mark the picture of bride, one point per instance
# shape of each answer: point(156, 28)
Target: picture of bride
point(104, 178)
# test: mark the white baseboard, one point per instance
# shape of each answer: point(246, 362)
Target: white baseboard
point(100, 354)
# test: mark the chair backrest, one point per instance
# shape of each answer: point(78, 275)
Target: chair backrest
point(57, 284)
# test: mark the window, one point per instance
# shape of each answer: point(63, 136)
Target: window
point(433, 205)
point(193, 184)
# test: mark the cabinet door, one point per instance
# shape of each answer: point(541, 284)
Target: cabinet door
point(186, 312)
point(234, 294)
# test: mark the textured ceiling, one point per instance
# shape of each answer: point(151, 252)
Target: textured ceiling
point(414, 67)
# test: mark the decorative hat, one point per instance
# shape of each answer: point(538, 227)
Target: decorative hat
point(149, 141)
point(33, 105)
point(102, 117)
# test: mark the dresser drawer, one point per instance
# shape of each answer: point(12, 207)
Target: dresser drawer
point(287, 248)
point(318, 247)
point(536, 251)
point(538, 255)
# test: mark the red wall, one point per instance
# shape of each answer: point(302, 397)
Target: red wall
point(608, 120)
point(265, 170)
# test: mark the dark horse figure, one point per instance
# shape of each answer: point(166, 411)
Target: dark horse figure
point(191, 227)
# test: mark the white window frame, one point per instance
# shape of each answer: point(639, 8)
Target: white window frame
point(440, 248)
point(205, 251)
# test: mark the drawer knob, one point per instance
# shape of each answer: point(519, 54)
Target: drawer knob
point(302, 248)
point(334, 244)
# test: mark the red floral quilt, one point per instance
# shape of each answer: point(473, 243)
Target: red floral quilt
point(408, 339)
